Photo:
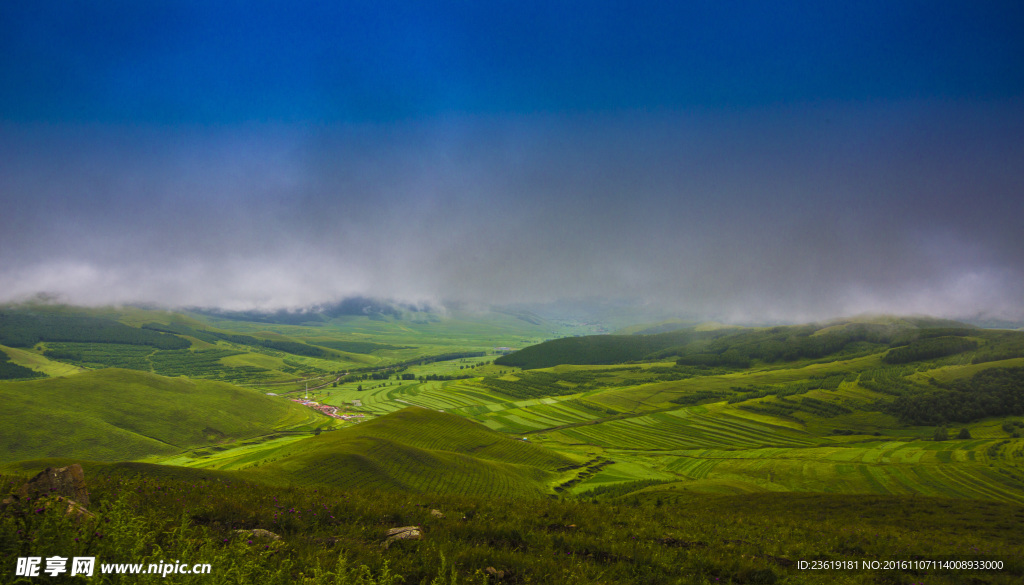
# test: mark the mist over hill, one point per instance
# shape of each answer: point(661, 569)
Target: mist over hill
point(736, 217)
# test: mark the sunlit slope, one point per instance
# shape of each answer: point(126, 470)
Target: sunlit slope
point(118, 415)
point(40, 363)
point(421, 451)
point(934, 411)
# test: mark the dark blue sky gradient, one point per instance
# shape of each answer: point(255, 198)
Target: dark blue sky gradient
point(230, 62)
point(736, 160)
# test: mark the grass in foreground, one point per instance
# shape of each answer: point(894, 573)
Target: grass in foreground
point(334, 536)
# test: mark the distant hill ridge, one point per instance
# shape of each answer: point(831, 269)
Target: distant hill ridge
point(25, 328)
point(729, 347)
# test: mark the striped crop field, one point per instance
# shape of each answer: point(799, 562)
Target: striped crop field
point(386, 397)
point(441, 395)
point(537, 414)
point(466, 398)
point(422, 451)
point(852, 470)
point(248, 454)
point(633, 398)
point(374, 398)
point(973, 469)
point(369, 463)
point(885, 453)
point(625, 470)
point(815, 438)
point(687, 428)
point(451, 433)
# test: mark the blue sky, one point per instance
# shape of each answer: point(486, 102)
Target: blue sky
point(741, 160)
point(231, 62)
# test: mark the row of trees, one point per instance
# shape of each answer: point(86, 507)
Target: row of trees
point(991, 392)
point(921, 340)
point(359, 346)
point(292, 347)
point(12, 371)
point(786, 344)
point(599, 349)
point(929, 349)
point(722, 348)
point(25, 329)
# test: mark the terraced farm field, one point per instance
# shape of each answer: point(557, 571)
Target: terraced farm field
point(961, 470)
point(243, 455)
point(527, 416)
point(603, 462)
point(831, 439)
point(686, 428)
point(380, 464)
point(634, 423)
point(383, 397)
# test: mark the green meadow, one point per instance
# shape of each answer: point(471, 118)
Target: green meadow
point(443, 454)
point(117, 415)
point(872, 420)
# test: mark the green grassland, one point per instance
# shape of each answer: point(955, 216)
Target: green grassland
point(844, 439)
point(866, 414)
point(56, 340)
point(118, 415)
point(801, 426)
point(240, 454)
point(445, 454)
point(430, 331)
point(815, 408)
point(661, 535)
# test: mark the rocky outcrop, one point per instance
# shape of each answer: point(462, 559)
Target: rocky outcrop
point(259, 534)
point(403, 533)
point(63, 487)
point(68, 482)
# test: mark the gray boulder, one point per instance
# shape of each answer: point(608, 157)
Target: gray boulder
point(403, 533)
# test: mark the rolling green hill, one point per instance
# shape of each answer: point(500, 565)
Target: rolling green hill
point(682, 395)
point(421, 451)
point(118, 415)
point(251, 349)
point(25, 328)
point(602, 349)
point(741, 348)
point(725, 451)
